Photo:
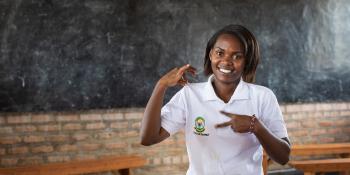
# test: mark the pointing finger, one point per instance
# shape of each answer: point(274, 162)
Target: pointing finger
point(223, 124)
point(227, 114)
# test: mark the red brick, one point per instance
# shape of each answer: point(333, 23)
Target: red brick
point(35, 160)
point(308, 124)
point(49, 128)
point(67, 118)
point(72, 126)
point(167, 142)
point(19, 150)
point(184, 159)
point(136, 125)
point(325, 123)
point(334, 131)
point(42, 118)
point(115, 145)
point(90, 147)
point(290, 108)
point(33, 139)
point(176, 160)
point(58, 138)
point(156, 161)
point(6, 130)
point(341, 123)
point(90, 117)
point(58, 158)
point(128, 134)
point(119, 125)
point(308, 107)
point(80, 136)
point(85, 157)
point(112, 116)
point(344, 113)
point(327, 140)
point(10, 140)
point(107, 135)
point(67, 148)
point(25, 128)
point(18, 119)
point(331, 114)
point(339, 106)
point(9, 161)
point(2, 151)
point(133, 115)
point(2, 120)
point(323, 107)
point(291, 125)
point(347, 130)
point(167, 160)
point(42, 149)
point(299, 133)
point(95, 126)
point(316, 132)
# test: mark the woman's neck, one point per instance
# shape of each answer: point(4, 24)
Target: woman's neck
point(224, 90)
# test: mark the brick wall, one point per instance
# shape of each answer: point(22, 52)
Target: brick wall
point(36, 138)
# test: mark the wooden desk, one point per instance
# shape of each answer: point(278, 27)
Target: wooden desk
point(342, 150)
point(121, 163)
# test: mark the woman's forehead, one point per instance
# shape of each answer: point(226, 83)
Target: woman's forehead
point(228, 42)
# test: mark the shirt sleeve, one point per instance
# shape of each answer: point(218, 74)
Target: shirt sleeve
point(272, 116)
point(173, 114)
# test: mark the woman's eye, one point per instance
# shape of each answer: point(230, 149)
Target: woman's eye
point(219, 53)
point(237, 57)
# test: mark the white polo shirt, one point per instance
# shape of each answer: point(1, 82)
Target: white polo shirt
point(221, 151)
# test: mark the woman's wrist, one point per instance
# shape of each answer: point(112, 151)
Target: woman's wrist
point(160, 84)
point(256, 125)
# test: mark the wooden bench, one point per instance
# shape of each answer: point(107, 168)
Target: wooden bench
point(311, 167)
point(341, 150)
point(110, 163)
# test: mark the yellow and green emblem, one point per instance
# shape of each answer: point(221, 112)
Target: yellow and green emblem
point(199, 124)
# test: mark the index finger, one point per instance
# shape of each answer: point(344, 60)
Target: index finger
point(228, 114)
point(183, 68)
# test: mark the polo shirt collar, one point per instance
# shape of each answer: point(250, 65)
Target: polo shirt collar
point(241, 92)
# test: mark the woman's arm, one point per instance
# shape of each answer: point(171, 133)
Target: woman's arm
point(277, 148)
point(151, 130)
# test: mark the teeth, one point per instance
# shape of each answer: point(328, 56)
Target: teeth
point(225, 71)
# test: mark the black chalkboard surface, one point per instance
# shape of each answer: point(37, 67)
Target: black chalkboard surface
point(87, 54)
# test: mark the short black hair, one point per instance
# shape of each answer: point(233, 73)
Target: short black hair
point(250, 47)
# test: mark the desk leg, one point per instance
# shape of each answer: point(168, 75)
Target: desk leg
point(124, 172)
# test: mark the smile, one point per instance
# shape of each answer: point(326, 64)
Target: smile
point(225, 71)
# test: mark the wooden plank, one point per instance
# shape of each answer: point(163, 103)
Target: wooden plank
point(325, 165)
point(320, 149)
point(79, 167)
point(341, 149)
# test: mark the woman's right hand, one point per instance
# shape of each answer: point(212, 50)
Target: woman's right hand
point(177, 76)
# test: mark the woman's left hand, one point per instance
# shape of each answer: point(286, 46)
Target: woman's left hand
point(238, 123)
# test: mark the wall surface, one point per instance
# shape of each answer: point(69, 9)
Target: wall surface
point(39, 138)
point(99, 54)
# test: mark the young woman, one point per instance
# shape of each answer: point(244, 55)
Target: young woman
point(227, 120)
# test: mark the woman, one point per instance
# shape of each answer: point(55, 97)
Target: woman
point(227, 120)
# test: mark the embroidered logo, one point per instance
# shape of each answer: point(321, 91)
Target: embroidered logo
point(199, 126)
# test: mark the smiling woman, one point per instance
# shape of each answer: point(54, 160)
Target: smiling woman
point(227, 120)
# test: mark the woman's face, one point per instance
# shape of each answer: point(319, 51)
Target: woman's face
point(227, 59)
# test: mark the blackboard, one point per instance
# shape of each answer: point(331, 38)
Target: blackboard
point(98, 54)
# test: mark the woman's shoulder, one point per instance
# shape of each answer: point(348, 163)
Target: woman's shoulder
point(259, 90)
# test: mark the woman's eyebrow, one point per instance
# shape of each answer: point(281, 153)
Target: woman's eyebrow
point(221, 49)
